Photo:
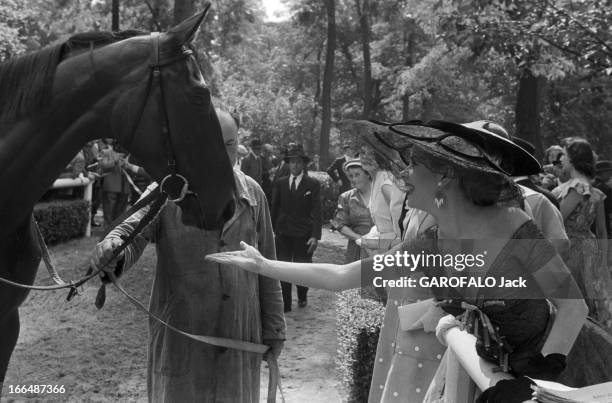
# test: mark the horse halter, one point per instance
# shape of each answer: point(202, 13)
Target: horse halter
point(155, 78)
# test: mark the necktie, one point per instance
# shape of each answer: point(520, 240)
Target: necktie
point(293, 184)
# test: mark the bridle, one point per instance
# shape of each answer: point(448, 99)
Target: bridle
point(155, 79)
point(157, 197)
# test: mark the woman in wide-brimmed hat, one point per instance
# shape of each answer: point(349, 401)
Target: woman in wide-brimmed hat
point(460, 174)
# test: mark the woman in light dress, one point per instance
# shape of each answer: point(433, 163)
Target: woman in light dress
point(352, 218)
point(385, 204)
point(582, 204)
point(460, 176)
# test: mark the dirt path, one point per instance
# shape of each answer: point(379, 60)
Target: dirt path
point(101, 355)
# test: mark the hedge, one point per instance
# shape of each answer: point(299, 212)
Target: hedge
point(61, 220)
point(329, 194)
point(358, 327)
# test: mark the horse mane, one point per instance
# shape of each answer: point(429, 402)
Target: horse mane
point(26, 82)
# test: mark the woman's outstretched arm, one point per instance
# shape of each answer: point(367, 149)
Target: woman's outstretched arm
point(325, 276)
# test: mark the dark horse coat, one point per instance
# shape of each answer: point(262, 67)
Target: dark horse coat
point(54, 101)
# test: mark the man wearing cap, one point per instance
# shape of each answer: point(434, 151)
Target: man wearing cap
point(603, 173)
point(337, 173)
point(252, 165)
point(296, 217)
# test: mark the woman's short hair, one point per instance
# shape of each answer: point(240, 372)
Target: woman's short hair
point(580, 154)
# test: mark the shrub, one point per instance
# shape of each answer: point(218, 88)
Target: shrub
point(329, 194)
point(358, 326)
point(61, 220)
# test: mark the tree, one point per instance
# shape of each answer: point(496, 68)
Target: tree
point(183, 9)
point(328, 76)
point(363, 13)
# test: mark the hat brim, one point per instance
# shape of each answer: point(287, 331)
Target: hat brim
point(305, 158)
point(378, 135)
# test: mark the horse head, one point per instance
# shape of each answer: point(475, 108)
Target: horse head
point(160, 109)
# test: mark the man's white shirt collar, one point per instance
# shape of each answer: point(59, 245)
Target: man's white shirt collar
point(298, 179)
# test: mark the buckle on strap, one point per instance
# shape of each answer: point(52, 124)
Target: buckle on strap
point(184, 188)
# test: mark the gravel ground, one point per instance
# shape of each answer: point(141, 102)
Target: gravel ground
point(101, 355)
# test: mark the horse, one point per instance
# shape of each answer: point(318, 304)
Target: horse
point(146, 91)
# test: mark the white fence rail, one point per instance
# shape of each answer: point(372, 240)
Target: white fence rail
point(466, 374)
point(79, 181)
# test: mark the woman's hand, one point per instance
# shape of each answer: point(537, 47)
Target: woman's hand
point(248, 258)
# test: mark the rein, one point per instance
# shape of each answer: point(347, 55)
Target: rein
point(73, 285)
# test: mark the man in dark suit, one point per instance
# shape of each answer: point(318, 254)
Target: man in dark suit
point(296, 217)
point(336, 170)
point(526, 180)
point(283, 168)
point(253, 164)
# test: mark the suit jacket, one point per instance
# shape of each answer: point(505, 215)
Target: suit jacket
point(529, 184)
point(297, 213)
point(252, 166)
point(282, 170)
point(336, 172)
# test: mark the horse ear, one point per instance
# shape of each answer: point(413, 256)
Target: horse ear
point(186, 30)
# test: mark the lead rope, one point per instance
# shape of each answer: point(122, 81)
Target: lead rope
point(274, 381)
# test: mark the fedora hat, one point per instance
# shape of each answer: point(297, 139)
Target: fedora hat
point(480, 145)
point(294, 151)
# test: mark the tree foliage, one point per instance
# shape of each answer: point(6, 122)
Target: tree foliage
point(448, 59)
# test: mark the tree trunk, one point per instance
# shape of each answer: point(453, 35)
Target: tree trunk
point(315, 105)
point(409, 63)
point(115, 15)
point(328, 76)
point(428, 107)
point(183, 9)
point(363, 11)
point(529, 108)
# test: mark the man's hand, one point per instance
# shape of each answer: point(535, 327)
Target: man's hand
point(339, 182)
point(102, 254)
point(276, 346)
point(312, 245)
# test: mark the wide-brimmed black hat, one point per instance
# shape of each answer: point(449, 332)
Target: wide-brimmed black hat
point(296, 150)
point(480, 145)
point(603, 166)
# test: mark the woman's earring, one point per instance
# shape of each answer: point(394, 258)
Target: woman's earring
point(439, 196)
